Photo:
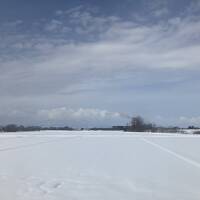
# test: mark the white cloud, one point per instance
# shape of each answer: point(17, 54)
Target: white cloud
point(12, 24)
point(81, 113)
point(161, 12)
point(81, 117)
point(59, 12)
point(158, 8)
point(192, 121)
point(95, 48)
point(53, 25)
point(123, 46)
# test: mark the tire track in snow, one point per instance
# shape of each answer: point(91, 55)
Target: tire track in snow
point(179, 156)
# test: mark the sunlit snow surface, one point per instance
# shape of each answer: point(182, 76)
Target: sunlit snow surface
point(61, 165)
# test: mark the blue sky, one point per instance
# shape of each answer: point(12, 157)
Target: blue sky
point(95, 63)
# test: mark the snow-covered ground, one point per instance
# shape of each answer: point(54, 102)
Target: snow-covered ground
point(61, 165)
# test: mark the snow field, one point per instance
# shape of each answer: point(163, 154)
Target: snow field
point(99, 165)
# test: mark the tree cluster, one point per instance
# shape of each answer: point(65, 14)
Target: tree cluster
point(138, 124)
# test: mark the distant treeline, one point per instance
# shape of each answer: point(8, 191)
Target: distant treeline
point(136, 124)
point(16, 128)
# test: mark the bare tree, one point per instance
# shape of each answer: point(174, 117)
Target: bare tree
point(138, 124)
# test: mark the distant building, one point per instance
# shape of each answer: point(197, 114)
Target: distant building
point(120, 128)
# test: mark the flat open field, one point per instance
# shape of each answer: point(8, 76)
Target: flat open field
point(61, 165)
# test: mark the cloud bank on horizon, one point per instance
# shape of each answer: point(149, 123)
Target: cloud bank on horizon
point(87, 63)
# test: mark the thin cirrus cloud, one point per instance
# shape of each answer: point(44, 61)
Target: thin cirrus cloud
point(124, 46)
point(78, 46)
